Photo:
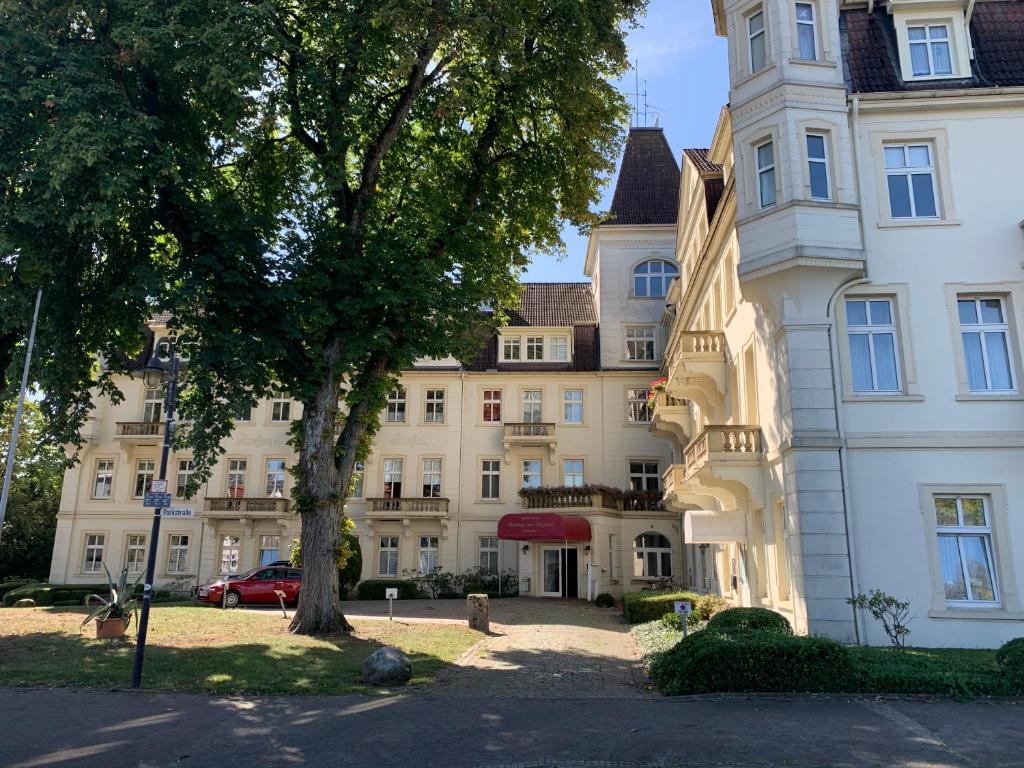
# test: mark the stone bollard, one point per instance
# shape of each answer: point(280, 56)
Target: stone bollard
point(477, 611)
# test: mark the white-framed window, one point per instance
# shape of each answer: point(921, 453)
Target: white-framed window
point(430, 554)
point(230, 550)
point(533, 406)
point(186, 468)
point(558, 348)
point(806, 31)
point(984, 333)
point(280, 407)
point(871, 332)
point(135, 552)
point(765, 174)
point(270, 547)
point(651, 278)
point(103, 486)
point(653, 556)
point(572, 406)
point(490, 478)
point(489, 554)
point(432, 478)
point(534, 347)
point(243, 412)
point(153, 403)
point(387, 556)
point(358, 473)
point(644, 475)
point(275, 478)
point(492, 406)
point(395, 411)
point(393, 478)
point(817, 167)
point(757, 46)
point(929, 50)
point(177, 553)
point(145, 472)
point(910, 179)
point(964, 527)
point(236, 477)
point(572, 472)
point(433, 409)
point(511, 348)
point(92, 561)
point(638, 405)
point(640, 342)
point(532, 473)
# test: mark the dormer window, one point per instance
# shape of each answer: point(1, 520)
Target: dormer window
point(929, 50)
point(651, 278)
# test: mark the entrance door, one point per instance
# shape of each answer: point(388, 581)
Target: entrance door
point(571, 572)
point(552, 571)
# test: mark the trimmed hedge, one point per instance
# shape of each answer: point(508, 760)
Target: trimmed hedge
point(604, 600)
point(12, 584)
point(373, 589)
point(1010, 658)
point(744, 620)
point(714, 662)
point(640, 607)
point(957, 672)
point(71, 594)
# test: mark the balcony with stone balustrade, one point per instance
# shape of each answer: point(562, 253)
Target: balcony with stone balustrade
point(695, 368)
point(529, 434)
point(139, 432)
point(670, 417)
point(725, 462)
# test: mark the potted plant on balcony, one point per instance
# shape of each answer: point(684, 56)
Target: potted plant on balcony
point(658, 385)
point(113, 614)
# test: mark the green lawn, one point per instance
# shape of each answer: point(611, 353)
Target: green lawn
point(209, 650)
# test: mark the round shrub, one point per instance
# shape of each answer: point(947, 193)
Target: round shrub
point(1010, 658)
point(742, 620)
point(771, 662)
point(604, 600)
point(672, 621)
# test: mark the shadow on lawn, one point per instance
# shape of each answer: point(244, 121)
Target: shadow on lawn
point(330, 667)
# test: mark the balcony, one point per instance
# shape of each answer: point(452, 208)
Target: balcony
point(412, 506)
point(695, 368)
point(670, 417)
point(569, 498)
point(529, 435)
point(139, 432)
point(236, 506)
point(724, 462)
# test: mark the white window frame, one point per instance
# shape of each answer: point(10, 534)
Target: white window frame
point(640, 477)
point(230, 552)
point(432, 477)
point(909, 172)
point(429, 554)
point(104, 474)
point(237, 469)
point(573, 474)
point(822, 161)
point(667, 272)
point(558, 349)
point(871, 330)
point(491, 397)
point(638, 405)
point(959, 532)
point(930, 44)
point(532, 468)
point(639, 340)
point(490, 479)
point(813, 24)
point(530, 401)
point(280, 407)
point(488, 552)
point(642, 555)
point(393, 468)
point(535, 349)
point(572, 401)
point(95, 543)
point(135, 544)
point(751, 35)
point(765, 170)
point(396, 408)
point(140, 472)
point(433, 405)
point(511, 349)
point(186, 469)
point(358, 480)
point(177, 552)
point(983, 329)
point(264, 548)
point(153, 404)
point(277, 490)
point(387, 555)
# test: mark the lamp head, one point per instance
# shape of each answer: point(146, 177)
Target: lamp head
point(152, 373)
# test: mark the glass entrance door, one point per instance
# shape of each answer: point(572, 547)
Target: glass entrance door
point(552, 569)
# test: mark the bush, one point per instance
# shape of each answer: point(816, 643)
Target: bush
point(474, 589)
point(706, 606)
point(640, 607)
point(958, 672)
point(12, 584)
point(743, 620)
point(712, 662)
point(73, 594)
point(673, 621)
point(604, 600)
point(373, 589)
point(1010, 658)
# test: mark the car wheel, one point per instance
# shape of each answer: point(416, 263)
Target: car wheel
point(232, 599)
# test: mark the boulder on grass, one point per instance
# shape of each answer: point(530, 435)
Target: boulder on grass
point(25, 602)
point(387, 666)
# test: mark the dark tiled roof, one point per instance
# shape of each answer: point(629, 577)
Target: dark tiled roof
point(554, 304)
point(586, 356)
point(872, 62)
point(701, 161)
point(647, 190)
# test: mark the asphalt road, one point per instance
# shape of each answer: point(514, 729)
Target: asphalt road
point(111, 729)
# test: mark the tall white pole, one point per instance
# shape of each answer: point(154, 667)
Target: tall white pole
point(17, 413)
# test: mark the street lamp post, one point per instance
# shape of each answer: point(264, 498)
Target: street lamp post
point(154, 373)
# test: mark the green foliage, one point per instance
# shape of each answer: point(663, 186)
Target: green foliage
point(957, 672)
point(712, 662)
point(639, 607)
point(446, 586)
point(742, 620)
point(349, 559)
point(373, 589)
point(604, 600)
point(1010, 658)
point(26, 540)
point(71, 594)
point(119, 603)
point(672, 621)
point(12, 584)
point(892, 612)
point(654, 638)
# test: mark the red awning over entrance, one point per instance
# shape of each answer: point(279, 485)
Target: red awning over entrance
point(546, 526)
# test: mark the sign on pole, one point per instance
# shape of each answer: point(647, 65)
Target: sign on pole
point(391, 593)
point(177, 512)
point(158, 486)
point(151, 499)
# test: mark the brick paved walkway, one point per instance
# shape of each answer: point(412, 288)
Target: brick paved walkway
point(553, 649)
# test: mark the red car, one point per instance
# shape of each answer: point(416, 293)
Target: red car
point(259, 585)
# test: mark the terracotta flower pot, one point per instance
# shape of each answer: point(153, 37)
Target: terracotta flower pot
point(110, 629)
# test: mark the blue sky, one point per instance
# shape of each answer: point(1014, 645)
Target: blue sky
point(685, 67)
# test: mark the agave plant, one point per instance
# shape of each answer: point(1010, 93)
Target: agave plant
point(121, 603)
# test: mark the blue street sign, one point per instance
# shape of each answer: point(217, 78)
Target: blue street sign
point(156, 500)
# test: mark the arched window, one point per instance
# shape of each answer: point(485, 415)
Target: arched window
point(651, 278)
point(653, 556)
